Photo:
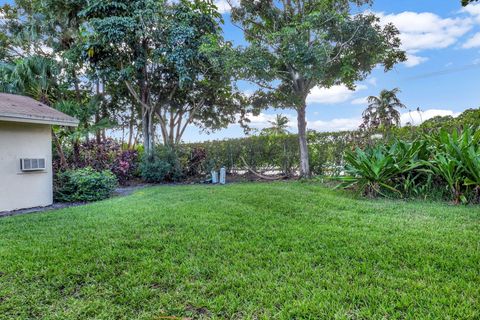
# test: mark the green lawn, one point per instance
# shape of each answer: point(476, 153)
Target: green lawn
point(244, 251)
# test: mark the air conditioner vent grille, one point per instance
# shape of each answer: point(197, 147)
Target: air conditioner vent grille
point(30, 164)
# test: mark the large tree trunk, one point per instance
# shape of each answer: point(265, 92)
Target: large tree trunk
point(98, 136)
point(302, 139)
point(131, 126)
point(147, 130)
point(97, 114)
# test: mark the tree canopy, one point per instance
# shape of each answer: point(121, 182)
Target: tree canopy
point(171, 57)
point(299, 44)
point(158, 65)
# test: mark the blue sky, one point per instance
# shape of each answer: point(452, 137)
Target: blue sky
point(441, 77)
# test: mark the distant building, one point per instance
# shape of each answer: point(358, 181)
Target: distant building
point(26, 179)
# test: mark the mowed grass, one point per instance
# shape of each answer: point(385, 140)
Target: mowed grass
point(244, 251)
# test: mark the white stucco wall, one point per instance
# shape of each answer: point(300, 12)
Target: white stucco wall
point(19, 189)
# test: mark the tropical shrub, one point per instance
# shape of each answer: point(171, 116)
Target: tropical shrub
point(96, 155)
point(104, 155)
point(378, 170)
point(468, 118)
point(196, 163)
point(456, 159)
point(84, 184)
point(125, 166)
point(155, 170)
point(164, 165)
point(440, 164)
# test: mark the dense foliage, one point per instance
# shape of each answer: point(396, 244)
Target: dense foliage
point(133, 67)
point(162, 165)
point(295, 46)
point(441, 163)
point(84, 185)
point(104, 155)
point(171, 58)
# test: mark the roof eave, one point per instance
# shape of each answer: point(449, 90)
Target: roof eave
point(59, 122)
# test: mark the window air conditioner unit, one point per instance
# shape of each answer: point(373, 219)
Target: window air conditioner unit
point(32, 164)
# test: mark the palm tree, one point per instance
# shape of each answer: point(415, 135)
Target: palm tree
point(34, 76)
point(382, 112)
point(278, 126)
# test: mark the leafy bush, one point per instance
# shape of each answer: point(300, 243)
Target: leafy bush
point(84, 184)
point(162, 166)
point(125, 166)
point(104, 155)
point(262, 153)
point(271, 153)
point(196, 162)
point(279, 153)
point(380, 168)
point(440, 163)
point(456, 159)
point(97, 155)
point(155, 170)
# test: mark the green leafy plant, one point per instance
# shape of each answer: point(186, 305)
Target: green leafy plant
point(155, 170)
point(162, 166)
point(451, 171)
point(84, 185)
point(442, 163)
point(456, 158)
point(378, 169)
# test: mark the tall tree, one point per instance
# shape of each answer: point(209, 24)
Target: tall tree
point(35, 76)
point(296, 45)
point(170, 57)
point(45, 44)
point(382, 113)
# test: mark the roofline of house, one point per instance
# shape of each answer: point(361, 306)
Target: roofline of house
point(26, 119)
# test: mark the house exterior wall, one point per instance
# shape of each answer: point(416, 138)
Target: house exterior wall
point(19, 189)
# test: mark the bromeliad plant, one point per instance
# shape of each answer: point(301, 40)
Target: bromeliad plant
point(456, 158)
point(379, 169)
point(447, 162)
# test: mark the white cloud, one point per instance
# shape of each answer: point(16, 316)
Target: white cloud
point(342, 124)
point(339, 124)
point(372, 81)
point(473, 10)
point(413, 60)
point(361, 101)
point(332, 95)
point(262, 120)
point(424, 31)
point(473, 42)
point(223, 5)
point(417, 117)
point(413, 117)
